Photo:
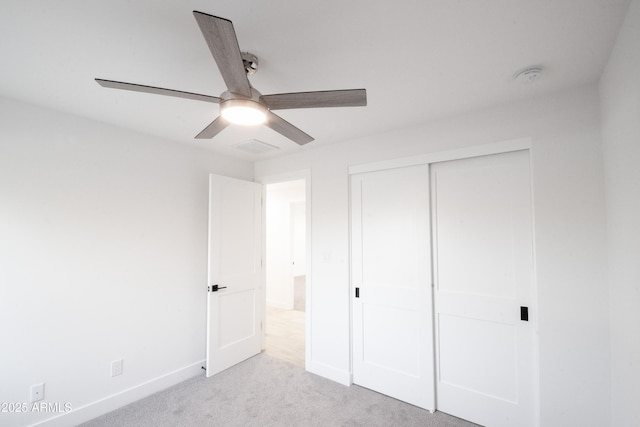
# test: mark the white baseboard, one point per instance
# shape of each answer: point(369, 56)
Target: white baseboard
point(329, 372)
point(110, 403)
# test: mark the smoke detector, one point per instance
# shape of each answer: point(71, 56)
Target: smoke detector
point(528, 75)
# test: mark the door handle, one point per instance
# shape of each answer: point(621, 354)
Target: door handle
point(215, 288)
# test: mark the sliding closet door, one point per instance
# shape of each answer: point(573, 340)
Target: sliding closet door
point(391, 284)
point(484, 289)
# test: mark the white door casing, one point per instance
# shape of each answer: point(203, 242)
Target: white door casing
point(392, 314)
point(234, 311)
point(483, 275)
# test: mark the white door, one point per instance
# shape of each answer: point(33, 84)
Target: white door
point(483, 275)
point(391, 284)
point(234, 307)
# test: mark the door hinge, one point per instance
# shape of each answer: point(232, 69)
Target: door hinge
point(357, 292)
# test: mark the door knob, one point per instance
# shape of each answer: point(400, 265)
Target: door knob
point(216, 288)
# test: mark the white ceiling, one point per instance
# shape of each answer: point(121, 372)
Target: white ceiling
point(418, 59)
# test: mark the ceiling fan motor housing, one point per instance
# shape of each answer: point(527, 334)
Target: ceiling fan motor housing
point(242, 110)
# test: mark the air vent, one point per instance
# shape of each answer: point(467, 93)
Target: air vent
point(255, 146)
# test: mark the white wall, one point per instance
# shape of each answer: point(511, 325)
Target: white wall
point(570, 239)
point(620, 92)
point(299, 238)
point(279, 268)
point(103, 255)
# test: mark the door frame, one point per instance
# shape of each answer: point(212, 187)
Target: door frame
point(276, 179)
point(507, 146)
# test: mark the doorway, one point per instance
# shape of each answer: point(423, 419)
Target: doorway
point(286, 270)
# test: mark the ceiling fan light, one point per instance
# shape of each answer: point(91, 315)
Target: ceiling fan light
point(243, 112)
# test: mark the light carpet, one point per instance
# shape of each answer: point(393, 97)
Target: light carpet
point(265, 391)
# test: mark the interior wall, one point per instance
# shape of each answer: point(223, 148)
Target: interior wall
point(279, 268)
point(299, 238)
point(620, 94)
point(569, 216)
point(103, 256)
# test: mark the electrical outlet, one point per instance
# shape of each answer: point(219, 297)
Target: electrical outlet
point(37, 392)
point(116, 368)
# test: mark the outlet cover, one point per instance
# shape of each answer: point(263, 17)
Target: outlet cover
point(37, 392)
point(116, 368)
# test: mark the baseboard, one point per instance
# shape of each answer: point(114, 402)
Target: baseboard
point(110, 403)
point(329, 372)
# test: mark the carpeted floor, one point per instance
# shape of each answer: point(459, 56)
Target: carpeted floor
point(265, 391)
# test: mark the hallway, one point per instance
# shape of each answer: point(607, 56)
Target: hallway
point(284, 337)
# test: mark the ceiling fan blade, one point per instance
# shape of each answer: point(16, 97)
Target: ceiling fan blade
point(318, 99)
point(223, 44)
point(285, 128)
point(214, 128)
point(157, 90)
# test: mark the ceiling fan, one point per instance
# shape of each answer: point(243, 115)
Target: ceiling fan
point(241, 103)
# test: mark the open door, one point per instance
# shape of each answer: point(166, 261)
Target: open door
point(235, 270)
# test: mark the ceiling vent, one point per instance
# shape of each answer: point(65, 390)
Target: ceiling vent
point(255, 146)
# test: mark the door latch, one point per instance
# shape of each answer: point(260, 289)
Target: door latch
point(215, 288)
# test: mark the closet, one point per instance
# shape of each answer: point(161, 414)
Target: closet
point(443, 289)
